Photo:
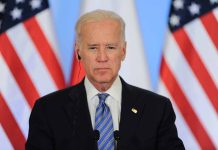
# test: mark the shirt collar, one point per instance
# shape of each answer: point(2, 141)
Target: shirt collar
point(114, 91)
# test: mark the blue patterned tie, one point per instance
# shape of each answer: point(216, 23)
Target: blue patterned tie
point(104, 124)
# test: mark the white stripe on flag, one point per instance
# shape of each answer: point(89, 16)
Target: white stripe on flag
point(4, 141)
point(45, 22)
point(204, 46)
point(184, 131)
point(31, 60)
point(215, 12)
point(16, 103)
point(134, 68)
point(192, 89)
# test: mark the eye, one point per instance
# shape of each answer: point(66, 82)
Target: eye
point(93, 48)
point(111, 47)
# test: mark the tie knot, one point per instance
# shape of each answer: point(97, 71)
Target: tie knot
point(102, 97)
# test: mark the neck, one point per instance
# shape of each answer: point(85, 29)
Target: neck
point(102, 86)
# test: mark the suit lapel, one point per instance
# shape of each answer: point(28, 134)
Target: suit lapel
point(131, 111)
point(78, 113)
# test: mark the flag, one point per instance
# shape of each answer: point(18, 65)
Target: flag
point(77, 71)
point(134, 68)
point(29, 66)
point(189, 71)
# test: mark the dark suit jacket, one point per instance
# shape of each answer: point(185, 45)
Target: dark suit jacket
point(61, 121)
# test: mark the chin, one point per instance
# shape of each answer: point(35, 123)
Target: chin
point(104, 79)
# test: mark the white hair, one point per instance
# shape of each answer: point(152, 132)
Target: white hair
point(98, 15)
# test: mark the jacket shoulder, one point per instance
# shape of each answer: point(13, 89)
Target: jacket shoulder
point(147, 95)
point(60, 96)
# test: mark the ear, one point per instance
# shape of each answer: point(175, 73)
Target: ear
point(124, 51)
point(77, 51)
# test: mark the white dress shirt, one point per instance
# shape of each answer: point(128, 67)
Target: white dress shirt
point(113, 101)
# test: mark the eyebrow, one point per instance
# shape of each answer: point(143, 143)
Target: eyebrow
point(93, 44)
point(109, 44)
point(112, 44)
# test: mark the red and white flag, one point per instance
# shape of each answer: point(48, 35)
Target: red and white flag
point(134, 68)
point(189, 71)
point(29, 66)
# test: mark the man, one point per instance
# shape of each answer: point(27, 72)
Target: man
point(85, 116)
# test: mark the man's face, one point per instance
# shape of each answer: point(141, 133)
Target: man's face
point(101, 49)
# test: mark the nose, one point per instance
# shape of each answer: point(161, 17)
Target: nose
point(102, 55)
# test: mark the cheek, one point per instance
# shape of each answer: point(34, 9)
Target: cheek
point(116, 63)
point(86, 63)
point(89, 66)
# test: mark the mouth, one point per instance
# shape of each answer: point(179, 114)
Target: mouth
point(102, 68)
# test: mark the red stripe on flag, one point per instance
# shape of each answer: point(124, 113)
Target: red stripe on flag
point(185, 108)
point(211, 25)
point(46, 52)
point(78, 71)
point(197, 66)
point(10, 126)
point(18, 70)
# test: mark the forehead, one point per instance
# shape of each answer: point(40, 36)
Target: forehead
point(103, 29)
point(100, 23)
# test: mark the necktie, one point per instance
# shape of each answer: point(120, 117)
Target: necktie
point(104, 124)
